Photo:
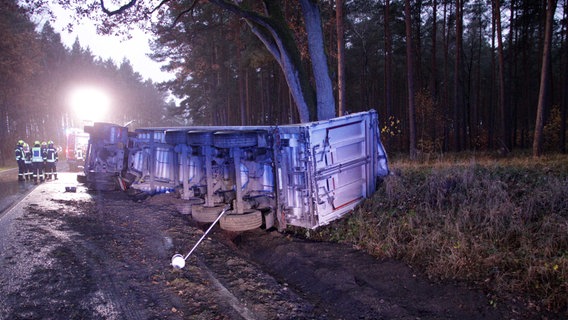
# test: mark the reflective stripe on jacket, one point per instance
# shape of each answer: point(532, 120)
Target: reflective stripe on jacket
point(36, 154)
point(51, 155)
point(28, 156)
point(19, 153)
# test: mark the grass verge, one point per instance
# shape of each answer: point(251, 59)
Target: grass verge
point(500, 224)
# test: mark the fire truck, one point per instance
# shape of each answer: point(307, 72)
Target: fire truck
point(304, 175)
point(76, 148)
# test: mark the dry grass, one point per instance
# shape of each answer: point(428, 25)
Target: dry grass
point(501, 224)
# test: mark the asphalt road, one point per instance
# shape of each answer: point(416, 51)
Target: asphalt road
point(12, 192)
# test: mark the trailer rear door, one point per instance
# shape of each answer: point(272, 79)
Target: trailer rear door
point(343, 158)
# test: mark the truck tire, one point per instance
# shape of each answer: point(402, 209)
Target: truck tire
point(101, 181)
point(186, 206)
point(199, 138)
point(249, 220)
point(235, 139)
point(205, 214)
point(104, 186)
point(81, 178)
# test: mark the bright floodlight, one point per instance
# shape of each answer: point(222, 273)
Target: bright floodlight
point(89, 103)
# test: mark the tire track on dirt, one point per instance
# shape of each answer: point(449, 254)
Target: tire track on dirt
point(226, 295)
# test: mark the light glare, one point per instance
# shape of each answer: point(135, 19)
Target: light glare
point(89, 103)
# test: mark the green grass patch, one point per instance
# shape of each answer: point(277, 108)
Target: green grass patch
point(499, 223)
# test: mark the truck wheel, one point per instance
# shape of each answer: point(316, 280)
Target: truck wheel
point(249, 220)
point(101, 181)
point(205, 214)
point(199, 138)
point(235, 139)
point(186, 206)
point(105, 186)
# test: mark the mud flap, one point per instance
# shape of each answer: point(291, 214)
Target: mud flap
point(121, 183)
point(268, 219)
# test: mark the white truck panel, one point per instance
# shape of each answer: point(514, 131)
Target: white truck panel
point(305, 175)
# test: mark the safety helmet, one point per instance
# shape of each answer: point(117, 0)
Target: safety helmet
point(50, 142)
point(44, 143)
point(20, 142)
point(36, 143)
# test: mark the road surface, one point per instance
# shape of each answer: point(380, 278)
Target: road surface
point(90, 255)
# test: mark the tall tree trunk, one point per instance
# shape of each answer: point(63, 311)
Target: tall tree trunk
point(433, 63)
point(446, 79)
point(458, 81)
point(490, 112)
point(477, 107)
point(433, 83)
point(410, 82)
point(340, 58)
point(564, 103)
point(277, 39)
point(503, 135)
point(513, 92)
point(324, 88)
point(248, 110)
point(544, 92)
point(388, 61)
point(416, 9)
point(241, 82)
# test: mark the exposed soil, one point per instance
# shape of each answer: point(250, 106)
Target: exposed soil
point(107, 256)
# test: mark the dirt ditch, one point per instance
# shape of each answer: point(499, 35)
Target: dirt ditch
point(107, 256)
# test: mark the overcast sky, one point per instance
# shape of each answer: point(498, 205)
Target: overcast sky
point(135, 49)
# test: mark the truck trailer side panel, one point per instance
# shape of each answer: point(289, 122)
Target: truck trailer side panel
point(304, 175)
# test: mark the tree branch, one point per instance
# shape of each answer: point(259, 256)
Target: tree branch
point(183, 12)
point(249, 15)
point(159, 5)
point(120, 10)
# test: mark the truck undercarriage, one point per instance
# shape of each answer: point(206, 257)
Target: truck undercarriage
point(304, 175)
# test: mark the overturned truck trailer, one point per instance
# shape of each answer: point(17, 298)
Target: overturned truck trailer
point(303, 175)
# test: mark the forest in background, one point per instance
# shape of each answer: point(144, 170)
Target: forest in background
point(476, 74)
point(492, 223)
point(227, 76)
point(38, 72)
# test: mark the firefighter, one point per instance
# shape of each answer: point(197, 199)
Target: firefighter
point(51, 160)
point(28, 161)
point(19, 151)
point(44, 155)
point(37, 162)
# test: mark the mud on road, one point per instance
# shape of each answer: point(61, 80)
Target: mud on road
point(107, 256)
